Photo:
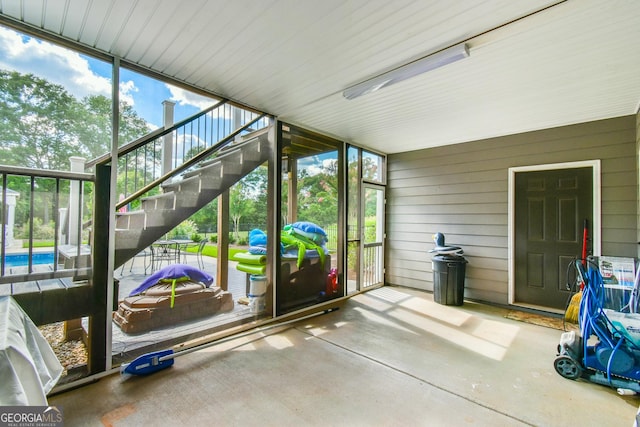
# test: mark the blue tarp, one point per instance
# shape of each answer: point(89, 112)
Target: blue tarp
point(174, 271)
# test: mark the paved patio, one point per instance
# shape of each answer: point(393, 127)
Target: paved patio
point(132, 274)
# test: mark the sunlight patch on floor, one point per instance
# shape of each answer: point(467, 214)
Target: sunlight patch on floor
point(497, 332)
point(444, 313)
point(372, 300)
point(319, 330)
point(381, 319)
point(239, 344)
point(278, 342)
point(388, 294)
point(479, 340)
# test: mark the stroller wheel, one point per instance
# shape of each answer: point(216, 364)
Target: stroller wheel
point(567, 367)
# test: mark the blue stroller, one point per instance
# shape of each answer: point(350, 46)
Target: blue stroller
point(607, 349)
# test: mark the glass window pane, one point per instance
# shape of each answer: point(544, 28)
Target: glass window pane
point(56, 103)
point(145, 96)
point(309, 261)
point(372, 167)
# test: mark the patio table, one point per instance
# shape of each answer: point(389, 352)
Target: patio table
point(182, 245)
point(164, 250)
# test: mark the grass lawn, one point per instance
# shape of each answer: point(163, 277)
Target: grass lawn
point(209, 249)
point(212, 250)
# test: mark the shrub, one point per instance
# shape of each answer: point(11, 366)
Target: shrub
point(40, 230)
point(185, 228)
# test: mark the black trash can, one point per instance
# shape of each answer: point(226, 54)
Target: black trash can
point(448, 279)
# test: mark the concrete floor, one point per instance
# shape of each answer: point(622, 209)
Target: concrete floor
point(389, 357)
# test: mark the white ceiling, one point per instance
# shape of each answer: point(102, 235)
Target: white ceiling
point(533, 64)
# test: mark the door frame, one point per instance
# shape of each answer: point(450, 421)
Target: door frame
point(595, 232)
point(380, 265)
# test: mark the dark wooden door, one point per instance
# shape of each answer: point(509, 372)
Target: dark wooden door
point(550, 209)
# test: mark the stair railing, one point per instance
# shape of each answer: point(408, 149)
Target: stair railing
point(189, 163)
point(201, 135)
point(51, 188)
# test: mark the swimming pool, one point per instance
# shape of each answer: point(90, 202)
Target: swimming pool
point(22, 259)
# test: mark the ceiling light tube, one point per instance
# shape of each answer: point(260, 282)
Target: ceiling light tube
point(412, 69)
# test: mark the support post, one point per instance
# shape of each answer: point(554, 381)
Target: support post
point(9, 217)
point(274, 218)
point(236, 118)
point(292, 195)
point(167, 147)
point(77, 165)
point(73, 327)
point(222, 275)
point(98, 322)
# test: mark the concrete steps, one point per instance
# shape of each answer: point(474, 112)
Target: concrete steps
point(184, 195)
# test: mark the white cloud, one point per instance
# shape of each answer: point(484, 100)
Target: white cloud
point(57, 65)
point(315, 164)
point(126, 91)
point(185, 143)
point(184, 97)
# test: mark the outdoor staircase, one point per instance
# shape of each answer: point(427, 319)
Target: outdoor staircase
point(184, 195)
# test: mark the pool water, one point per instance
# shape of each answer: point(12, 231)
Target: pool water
point(20, 260)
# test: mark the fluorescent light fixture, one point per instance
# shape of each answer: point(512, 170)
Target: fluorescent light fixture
point(412, 69)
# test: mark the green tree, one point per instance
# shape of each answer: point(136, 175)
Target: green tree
point(353, 195)
point(36, 131)
point(94, 126)
point(42, 126)
point(239, 206)
point(37, 128)
point(318, 195)
point(247, 198)
point(207, 217)
point(94, 130)
point(257, 181)
point(370, 167)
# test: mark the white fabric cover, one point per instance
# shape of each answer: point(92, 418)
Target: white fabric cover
point(28, 366)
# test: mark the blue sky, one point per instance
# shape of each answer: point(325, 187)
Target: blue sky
point(82, 75)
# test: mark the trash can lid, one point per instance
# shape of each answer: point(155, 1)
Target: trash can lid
point(445, 250)
point(449, 258)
